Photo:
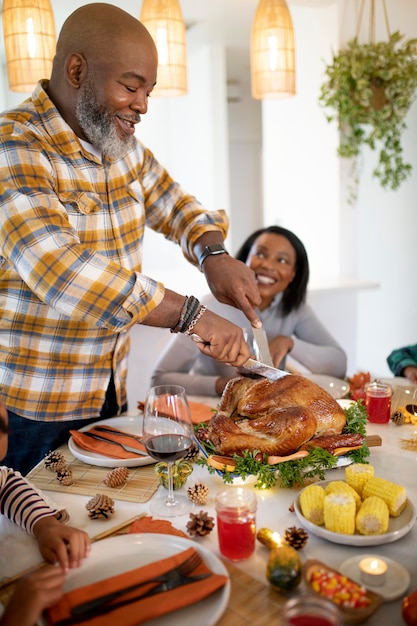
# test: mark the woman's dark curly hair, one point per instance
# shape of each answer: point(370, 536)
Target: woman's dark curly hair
point(295, 294)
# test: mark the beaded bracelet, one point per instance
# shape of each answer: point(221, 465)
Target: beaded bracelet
point(188, 311)
point(194, 321)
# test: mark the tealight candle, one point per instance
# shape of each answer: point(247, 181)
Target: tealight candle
point(373, 571)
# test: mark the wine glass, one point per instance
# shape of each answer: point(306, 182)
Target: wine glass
point(168, 436)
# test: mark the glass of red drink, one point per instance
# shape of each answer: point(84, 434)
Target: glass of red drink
point(310, 610)
point(378, 402)
point(236, 523)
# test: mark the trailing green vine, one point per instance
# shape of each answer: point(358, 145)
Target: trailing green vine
point(370, 88)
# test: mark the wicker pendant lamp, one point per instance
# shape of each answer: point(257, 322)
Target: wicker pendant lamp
point(163, 19)
point(272, 54)
point(30, 42)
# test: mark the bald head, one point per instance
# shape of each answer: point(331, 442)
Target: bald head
point(98, 30)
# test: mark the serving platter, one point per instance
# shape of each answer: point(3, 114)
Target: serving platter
point(398, 526)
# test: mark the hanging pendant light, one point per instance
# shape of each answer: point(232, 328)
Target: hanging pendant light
point(30, 42)
point(163, 19)
point(272, 55)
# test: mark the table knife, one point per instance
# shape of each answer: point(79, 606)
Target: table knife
point(262, 369)
point(263, 347)
point(115, 443)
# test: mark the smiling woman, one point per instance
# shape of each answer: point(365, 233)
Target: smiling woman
point(280, 263)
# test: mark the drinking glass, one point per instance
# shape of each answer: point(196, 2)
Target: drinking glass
point(310, 610)
point(168, 435)
point(378, 402)
point(236, 523)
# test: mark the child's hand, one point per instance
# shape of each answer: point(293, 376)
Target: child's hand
point(32, 595)
point(59, 543)
point(410, 372)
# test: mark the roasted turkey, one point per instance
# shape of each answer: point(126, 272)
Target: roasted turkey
point(276, 418)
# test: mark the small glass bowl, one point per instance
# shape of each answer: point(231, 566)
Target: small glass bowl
point(180, 472)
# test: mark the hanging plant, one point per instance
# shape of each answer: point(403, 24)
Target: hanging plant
point(370, 88)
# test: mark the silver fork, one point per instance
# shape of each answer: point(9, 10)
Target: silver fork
point(169, 577)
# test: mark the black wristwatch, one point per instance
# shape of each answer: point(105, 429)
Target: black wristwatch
point(215, 248)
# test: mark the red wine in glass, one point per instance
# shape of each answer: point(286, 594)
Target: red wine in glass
point(168, 448)
point(168, 435)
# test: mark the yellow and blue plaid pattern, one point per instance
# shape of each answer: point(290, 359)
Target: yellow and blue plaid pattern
point(71, 232)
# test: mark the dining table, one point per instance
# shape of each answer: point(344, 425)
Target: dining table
point(395, 459)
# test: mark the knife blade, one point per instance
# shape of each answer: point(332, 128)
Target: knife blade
point(116, 443)
point(262, 369)
point(263, 347)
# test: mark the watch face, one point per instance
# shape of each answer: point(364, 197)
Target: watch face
point(215, 248)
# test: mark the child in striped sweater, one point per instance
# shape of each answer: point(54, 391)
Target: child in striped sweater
point(62, 546)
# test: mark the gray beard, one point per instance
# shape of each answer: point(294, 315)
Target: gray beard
point(98, 125)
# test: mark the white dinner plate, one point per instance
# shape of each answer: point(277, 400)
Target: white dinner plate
point(397, 528)
point(119, 554)
point(130, 424)
point(336, 387)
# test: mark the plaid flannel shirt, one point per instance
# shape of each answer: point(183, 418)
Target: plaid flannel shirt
point(71, 232)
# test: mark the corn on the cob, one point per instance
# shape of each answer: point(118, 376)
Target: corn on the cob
point(339, 512)
point(311, 503)
point(372, 517)
point(339, 486)
point(395, 496)
point(358, 474)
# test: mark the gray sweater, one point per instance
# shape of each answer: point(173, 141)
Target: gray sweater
point(182, 363)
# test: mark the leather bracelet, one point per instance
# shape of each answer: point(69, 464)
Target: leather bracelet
point(188, 311)
point(194, 321)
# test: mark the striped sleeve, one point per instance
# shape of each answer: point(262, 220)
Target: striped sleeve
point(20, 502)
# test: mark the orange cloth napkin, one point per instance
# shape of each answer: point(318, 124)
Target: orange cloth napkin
point(199, 412)
point(149, 525)
point(141, 610)
point(107, 449)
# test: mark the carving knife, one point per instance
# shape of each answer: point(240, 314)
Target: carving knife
point(262, 369)
point(256, 367)
point(263, 347)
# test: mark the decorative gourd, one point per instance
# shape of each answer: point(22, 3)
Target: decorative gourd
point(284, 568)
point(268, 537)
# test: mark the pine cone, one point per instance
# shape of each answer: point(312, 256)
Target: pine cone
point(100, 506)
point(64, 475)
point(116, 477)
point(198, 493)
point(398, 417)
point(54, 461)
point(296, 537)
point(200, 524)
point(193, 453)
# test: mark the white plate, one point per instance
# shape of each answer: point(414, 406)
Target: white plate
point(336, 387)
point(116, 555)
point(397, 578)
point(397, 528)
point(131, 425)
